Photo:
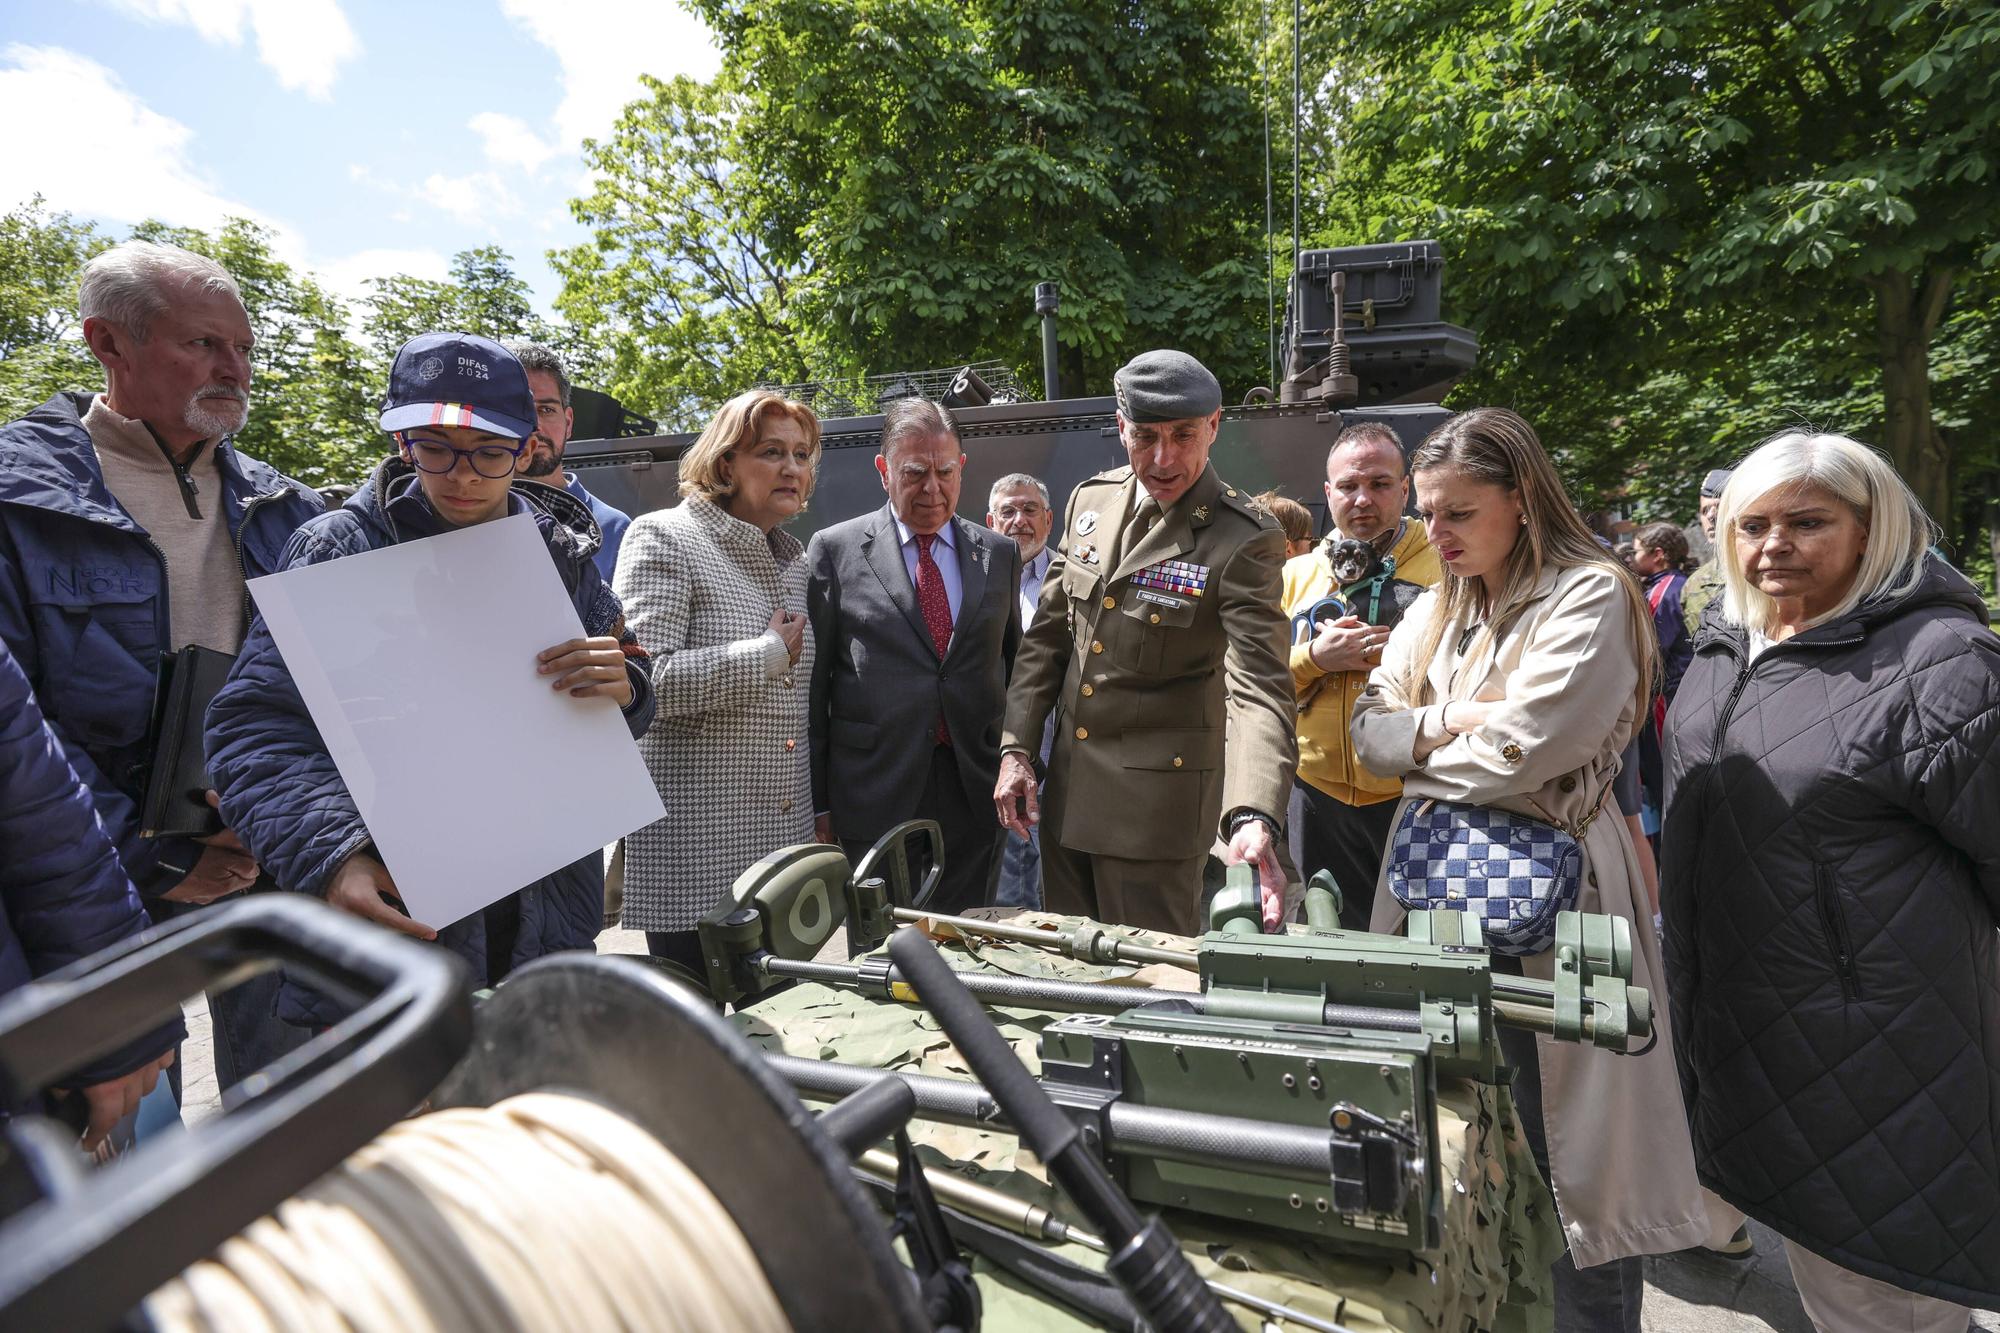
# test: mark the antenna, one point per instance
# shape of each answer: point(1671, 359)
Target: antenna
point(1270, 287)
point(1298, 26)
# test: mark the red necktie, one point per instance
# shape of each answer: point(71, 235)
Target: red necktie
point(931, 600)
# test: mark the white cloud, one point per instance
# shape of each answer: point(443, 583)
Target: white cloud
point(476, 199)
point(138, 166)
point(116, 158)
point(472, 200)
point(347, 276)
point(508, 142)
point(303, 42)
point(604, 46)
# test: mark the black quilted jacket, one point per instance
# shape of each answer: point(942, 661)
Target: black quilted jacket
point(1831, 886)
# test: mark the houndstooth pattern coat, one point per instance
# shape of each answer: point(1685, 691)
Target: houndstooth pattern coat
point(728, 747)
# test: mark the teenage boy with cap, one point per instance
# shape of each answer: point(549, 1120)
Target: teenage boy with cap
point(460, 412)
point(1706, 581)
point(1159, 621)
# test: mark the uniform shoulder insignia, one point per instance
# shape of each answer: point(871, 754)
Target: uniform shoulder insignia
point(1117, 474)
point(1234, 498)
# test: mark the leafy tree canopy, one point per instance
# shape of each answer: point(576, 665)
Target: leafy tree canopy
point(872, 185)
point(1679, 226)
point(313, 400)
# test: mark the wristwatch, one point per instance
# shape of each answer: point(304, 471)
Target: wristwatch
point(1242, 817)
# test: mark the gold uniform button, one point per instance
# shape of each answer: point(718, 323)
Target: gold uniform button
point(1155, 617)
point(1096, 647)
point(1177, 761)
point(1083, 733)
point(1088, 691)
point(1110, 602)
point(1511, 752)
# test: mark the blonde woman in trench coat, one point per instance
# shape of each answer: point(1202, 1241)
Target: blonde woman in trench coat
point(1515, 684)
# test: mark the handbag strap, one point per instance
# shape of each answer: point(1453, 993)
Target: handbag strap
point(1582, 825)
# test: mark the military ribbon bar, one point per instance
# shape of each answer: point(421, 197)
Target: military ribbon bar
point(1181, 576)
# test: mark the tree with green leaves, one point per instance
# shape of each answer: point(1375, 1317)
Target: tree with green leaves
point(483, 295)
point(1723, 196)
point(681, 281)
point(41, 338)
point(875, 185)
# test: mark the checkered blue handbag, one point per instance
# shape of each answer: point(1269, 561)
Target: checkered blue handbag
point(1516, 872)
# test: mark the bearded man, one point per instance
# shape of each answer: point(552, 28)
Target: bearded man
point(128, 526)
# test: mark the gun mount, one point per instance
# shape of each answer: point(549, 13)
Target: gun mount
point(1437, 982)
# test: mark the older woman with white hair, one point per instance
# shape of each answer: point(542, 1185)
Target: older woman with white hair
point(1831, 886)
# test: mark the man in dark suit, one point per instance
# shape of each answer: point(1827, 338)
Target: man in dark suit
point(915, 616)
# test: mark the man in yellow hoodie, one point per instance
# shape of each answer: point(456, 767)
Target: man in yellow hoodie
point(1344, 823)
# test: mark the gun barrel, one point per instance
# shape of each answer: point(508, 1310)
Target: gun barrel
point(1078, 997)
point(1102, 946)
point(1228, 1142)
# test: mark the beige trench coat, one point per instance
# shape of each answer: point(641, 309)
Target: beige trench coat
point(1618, 1138)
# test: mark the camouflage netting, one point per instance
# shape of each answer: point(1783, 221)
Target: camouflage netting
point(1500, 1232)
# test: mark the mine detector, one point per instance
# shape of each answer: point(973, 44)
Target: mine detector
point(1293, 1095)
point(1364, 340)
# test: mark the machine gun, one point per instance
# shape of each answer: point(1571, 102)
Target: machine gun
point(1309, 1129)
point(1296, 1089)
point(1437, 983)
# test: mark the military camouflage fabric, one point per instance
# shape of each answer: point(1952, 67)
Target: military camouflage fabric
point(1703, 586)
point(1500, 1231)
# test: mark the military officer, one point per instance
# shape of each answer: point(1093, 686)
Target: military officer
point(1159, 620)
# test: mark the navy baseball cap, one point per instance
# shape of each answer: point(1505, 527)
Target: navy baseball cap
point(458, 379)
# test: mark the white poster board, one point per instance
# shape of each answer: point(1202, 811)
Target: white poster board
point(417, 662)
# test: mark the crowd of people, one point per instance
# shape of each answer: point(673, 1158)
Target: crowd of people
point(1803, 728)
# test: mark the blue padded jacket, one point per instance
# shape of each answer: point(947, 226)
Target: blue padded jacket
point(83, 604)
point(63, 894)
point(280, 789)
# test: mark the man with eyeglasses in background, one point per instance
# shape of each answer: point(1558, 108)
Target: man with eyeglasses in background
point(1018, 507)
point(542, 460)
point(460, 412)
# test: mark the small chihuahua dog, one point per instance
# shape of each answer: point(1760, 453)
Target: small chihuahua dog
point(1357, 569)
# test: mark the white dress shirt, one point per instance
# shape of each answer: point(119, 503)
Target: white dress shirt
point(945, 551)
point(1032, 574)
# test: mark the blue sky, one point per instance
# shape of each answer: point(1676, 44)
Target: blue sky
point(375, 137)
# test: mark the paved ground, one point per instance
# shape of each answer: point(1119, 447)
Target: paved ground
point(1684, 1293)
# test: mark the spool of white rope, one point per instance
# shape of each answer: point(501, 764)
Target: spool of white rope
point(545, 1212)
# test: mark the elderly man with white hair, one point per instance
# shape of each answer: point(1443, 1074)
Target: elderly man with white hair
point(128, 525)
point(1018, 507)
point(1830, 887)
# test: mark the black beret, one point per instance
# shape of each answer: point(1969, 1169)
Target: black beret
point(1166, 385)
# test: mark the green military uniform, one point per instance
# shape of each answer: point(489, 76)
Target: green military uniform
point(1151, 634)
point(1705, 584)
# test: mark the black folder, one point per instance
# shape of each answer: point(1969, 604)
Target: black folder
point(176, 804)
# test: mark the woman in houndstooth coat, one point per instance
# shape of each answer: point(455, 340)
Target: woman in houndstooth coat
point(715, 590)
